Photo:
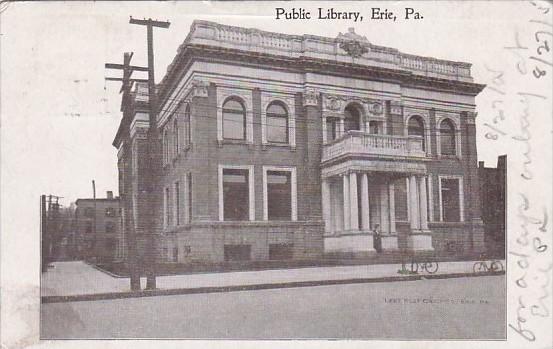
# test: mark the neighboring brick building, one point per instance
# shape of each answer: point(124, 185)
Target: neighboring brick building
point(493, 183)
point(284, 146)
point(97, 227)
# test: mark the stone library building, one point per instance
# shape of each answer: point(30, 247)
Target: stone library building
point(298, 147)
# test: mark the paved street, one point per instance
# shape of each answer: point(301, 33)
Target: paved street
point(460, 308)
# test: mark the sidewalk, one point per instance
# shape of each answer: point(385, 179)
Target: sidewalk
point(80, 281)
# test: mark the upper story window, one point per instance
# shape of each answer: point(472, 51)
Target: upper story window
point(187, 133)
point(277, 123)
point(447, 138)
point(415, 127)
point(177, 135)
point(89, 212)
point(374, 127)
point(166, 146)
point(110, 212)
point(234, 120)
point(332, 128)
point(352, 119)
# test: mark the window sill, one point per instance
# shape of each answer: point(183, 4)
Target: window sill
point(278, 145)
point(449, 157)
point(222, 142)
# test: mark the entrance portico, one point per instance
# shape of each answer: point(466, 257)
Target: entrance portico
point(358, 197)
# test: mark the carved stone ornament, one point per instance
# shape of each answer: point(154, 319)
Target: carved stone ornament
point(355, 45)
point(376, 108)
point(311, 97)
point(471, 117)
point(354, 48)
point(332, 103)
point(395, 108)
point(200, 88)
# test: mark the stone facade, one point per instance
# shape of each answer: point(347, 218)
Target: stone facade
point(345, 145)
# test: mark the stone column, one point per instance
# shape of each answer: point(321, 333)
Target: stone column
point(341, 128)
point(365, 209)
point(392, 207)
point(345, 192)
point(413, 203)
point(384, 213)
point(353, 199)
point(423, 203)
point(325, 194)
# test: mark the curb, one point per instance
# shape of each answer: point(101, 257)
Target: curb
point(266, 286)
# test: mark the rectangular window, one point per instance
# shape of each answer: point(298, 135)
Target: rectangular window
point(89, 212)
point(166, 208)
point(331, 129)
point(187, 137)
point(177, 203)
point(189, 197)
point(451, 206)
point(110, 212)
point(236, 195)
point(237, 252)
point(110, 227)
point(279, 195)
point(175, 254)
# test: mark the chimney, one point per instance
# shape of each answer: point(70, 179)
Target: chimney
point(109, 194)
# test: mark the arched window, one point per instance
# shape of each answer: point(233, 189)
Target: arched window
point(234, 120)
point(352, 119)
point(415, 127)
point(447, 138)
point(277, 123)
point(177, 135)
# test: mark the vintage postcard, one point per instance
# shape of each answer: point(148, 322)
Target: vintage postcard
point(228, 174)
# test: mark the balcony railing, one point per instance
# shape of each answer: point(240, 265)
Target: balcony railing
point(358, 143)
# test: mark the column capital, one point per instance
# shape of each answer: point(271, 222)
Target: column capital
point(311, 97)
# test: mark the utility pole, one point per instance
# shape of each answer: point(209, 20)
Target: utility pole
point(43, 233)
point(153, 153)
point(126, 88)
point(94, 237)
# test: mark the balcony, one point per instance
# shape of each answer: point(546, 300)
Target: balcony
point(361, 144)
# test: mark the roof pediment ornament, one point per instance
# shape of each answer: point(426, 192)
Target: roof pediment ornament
point(354, 44)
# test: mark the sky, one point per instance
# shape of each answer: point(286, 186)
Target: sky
point(59, 115)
